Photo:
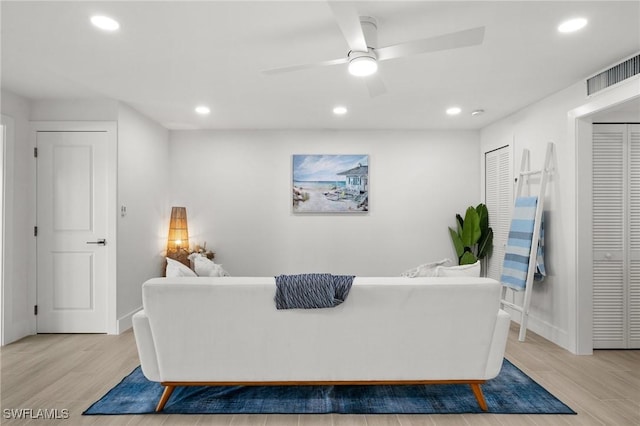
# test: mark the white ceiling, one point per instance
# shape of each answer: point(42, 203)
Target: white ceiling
point(169, 57)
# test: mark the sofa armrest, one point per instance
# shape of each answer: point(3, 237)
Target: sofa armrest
point(146, 347)
point(498, 344)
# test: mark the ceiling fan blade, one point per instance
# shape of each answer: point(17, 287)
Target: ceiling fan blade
point(455, 40)
point(375, 85)
point(349, 23)
point(290, 68)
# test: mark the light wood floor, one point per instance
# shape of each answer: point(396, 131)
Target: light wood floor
point(72, 371)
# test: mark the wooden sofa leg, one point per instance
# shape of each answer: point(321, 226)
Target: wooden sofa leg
point(477, 391)
point(166, 394)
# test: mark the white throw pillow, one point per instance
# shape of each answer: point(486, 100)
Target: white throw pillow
point(472, 270)
point(426, 269)
point(207, 268)
point(177, 269)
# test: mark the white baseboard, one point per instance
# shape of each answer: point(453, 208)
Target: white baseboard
point(544, 329)
point(126, 321)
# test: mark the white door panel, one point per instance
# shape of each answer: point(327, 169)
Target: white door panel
point(616, 236)
point(72, 217)
point(498, 194)
point(608, 233)
point(633, 304)
point(72, 187)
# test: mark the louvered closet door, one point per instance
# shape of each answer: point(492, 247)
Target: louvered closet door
point(608, 232)
point(498, 194)
point(616, 236)
point(633, 305)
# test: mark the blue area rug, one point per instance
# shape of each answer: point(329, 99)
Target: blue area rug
point(512, 392)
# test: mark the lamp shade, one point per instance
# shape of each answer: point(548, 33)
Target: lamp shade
point(178, 230)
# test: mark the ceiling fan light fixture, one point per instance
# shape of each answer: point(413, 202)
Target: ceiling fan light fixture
point(362, 64)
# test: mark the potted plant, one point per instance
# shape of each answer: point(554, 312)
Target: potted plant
point(473, 240)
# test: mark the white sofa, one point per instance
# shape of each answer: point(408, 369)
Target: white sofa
point(226, 330)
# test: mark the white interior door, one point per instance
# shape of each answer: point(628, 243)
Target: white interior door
point(498, 195)
point(72, 220)
point(634, 236)
point(616, 236)
point(609, 143)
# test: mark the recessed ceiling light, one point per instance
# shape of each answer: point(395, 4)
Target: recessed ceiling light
point(203, 110)
point(340, 110)
point(477, 112)
point(105, 23)
point(454, 111)
point(572, 25)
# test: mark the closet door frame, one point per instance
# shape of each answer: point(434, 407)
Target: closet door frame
point(579, 119)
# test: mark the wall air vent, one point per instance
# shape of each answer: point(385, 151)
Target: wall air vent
point(614, 75)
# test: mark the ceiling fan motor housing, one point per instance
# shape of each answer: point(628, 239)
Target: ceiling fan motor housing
point(354, 54)
point(370, 31)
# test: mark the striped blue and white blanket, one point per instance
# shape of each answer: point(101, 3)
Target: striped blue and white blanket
point(516, 258)
point(311, 291)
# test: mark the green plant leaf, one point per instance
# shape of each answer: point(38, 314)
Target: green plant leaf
point(460, 223)
point(471, 229)
point(483, 214)
point(485, 245)
point(457, 242)
point(468, 258)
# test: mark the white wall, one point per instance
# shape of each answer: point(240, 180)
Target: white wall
point(236, 186)
point(18, 308)
point(553, 307)
point(143, 188)
point(74, 110)
point(618, 117)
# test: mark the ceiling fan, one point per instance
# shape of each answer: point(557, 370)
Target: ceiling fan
point(360, 33)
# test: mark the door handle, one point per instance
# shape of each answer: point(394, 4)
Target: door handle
point(101, 241)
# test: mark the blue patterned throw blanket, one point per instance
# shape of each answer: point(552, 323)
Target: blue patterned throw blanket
point(311, 291)
point(516, 259)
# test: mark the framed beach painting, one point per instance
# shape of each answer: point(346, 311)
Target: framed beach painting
point(330, 183)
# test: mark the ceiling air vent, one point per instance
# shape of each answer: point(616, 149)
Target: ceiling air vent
point(613, 75)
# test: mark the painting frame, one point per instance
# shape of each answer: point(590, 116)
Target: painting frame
point(330, 183)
